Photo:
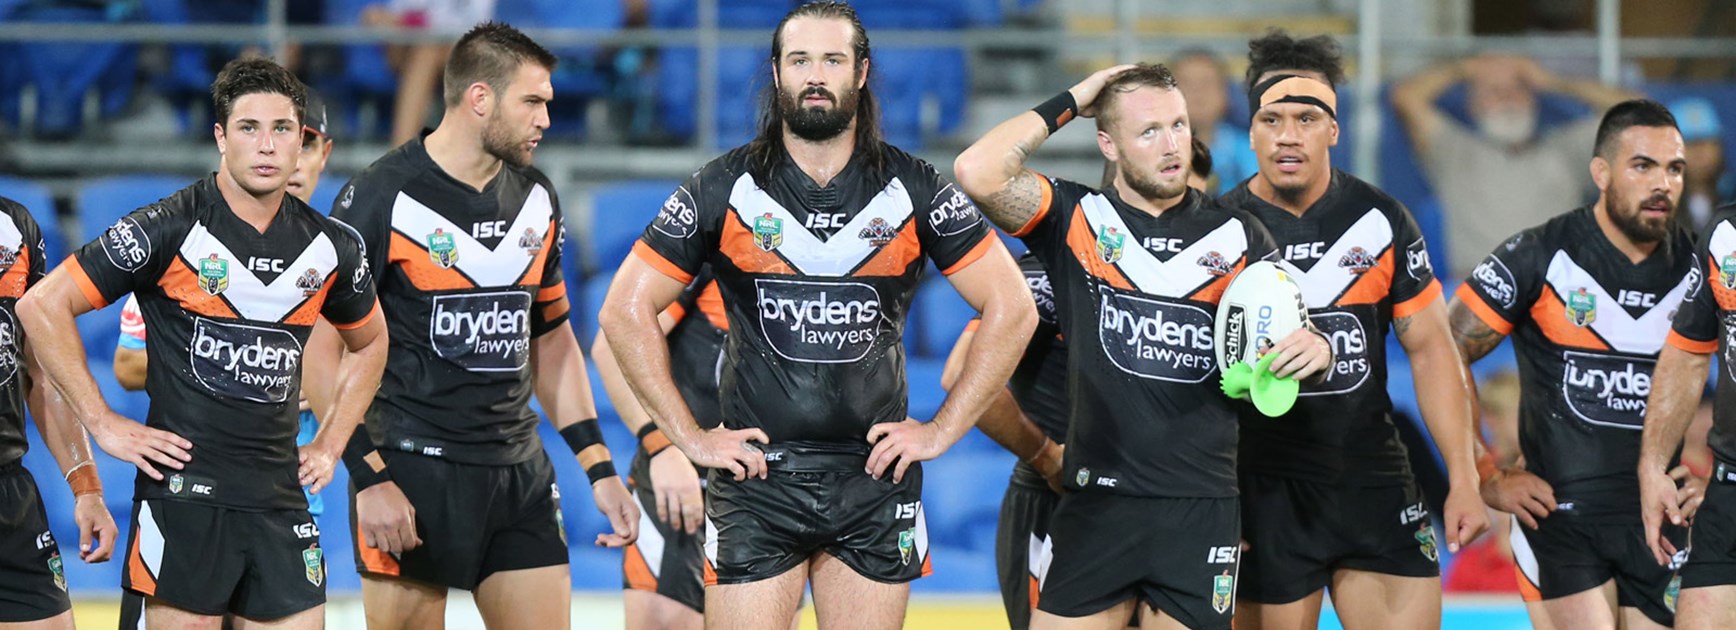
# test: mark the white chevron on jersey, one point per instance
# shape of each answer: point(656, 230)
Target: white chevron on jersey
point(1624, 333)
point(1182, 274)
point(501, 266)
point(834, 257)
point(1327, 280)
point(1722, 243)
point(12, 238)
point(251, 298)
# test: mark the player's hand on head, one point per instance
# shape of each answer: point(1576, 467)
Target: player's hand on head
point(733, 450)
point(1302, 354)
point(1520, 493)
point(1466, 517)
point(1659, 501)
point(386, 519)
point(1085, 93)
point(140, 445)
point(897, 445)
point(96, 529)
point(675, 484)
point(317, 466)
point(616, 503)
point(1691, 493)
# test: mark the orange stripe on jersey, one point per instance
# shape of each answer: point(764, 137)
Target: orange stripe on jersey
point(638, 572)
point(894, 257)
point(928, 563)
point(1373, 285)
point(661, 264)
point(1042, 205)
point(737, 243)
point(1475, 302)
point(1550, 314)
point(308, 312)
point(1726, 297)
point(675, 311)
point(12, 282)
point(1689, 345)
point(533, 275)
point(989, 242)
point(138, 575)
point(1214, 290)
point(372, 313)
point(1036, 589)
point(374, 560)
point(710, 573)
point(1527, 590)
point(550, 294)
point(1416, 304)
point(552, 311)
point(710, 302)
point(412, 258)
point(1083, 242)
point(181, 284)
point(85, 286)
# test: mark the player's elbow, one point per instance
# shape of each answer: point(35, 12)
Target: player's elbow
point(1013, 312)
point(33, 311)
point(977, 173)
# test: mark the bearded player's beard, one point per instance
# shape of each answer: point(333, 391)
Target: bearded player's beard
point(816, 124)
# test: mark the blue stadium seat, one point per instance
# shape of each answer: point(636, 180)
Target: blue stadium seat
point(958, 570)
point(940, 315)
point(366, 80)
point(64, 72)
point(326, 193)
point(103, 201)
point(582, 73)
point(100, 330)
point(742, 73)
point(912, 14)
point(735, 14)
point(907, 78)
point(960, 489)
point(619, 214)
point(926, 396)
point(596, 288)
point(40, 202)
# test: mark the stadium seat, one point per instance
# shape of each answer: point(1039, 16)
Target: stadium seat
point(908, 80)
point(596, 288)
point(40, 202)
point(940, 316)
point(735, 14)
point(367, 80)
point(958, 570)
point(619, 214)
point(912, 14)
point(103, 201)
point(64, 72)
point(926, 396)
point(327, 193)
point(742, 73)
point(582, 73)
point(963, 487)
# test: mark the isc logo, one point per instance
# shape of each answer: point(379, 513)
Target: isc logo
point(1413, 514)
point(1636, 298)
point(1158, 244)
point(907, 510)
point(305, 531)
point(488, 229)
point(1303, 251)
point(825, 220)
point(1221, 555)
point(274, 265)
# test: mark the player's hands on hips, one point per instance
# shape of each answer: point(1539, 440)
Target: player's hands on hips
point(1048, 464)
point(729, 449)
point(675, 483)
point(94, 522)
point(1692, 492)
point(386, 518)
point(616, 503)
point(138, 444)
point(905, 443)
point(1085, 93)
point(1520, 493)
point(1466, 517)
point(1659, 500)
point(317, 465)
point(1301, 354)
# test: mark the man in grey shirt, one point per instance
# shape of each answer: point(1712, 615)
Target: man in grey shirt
point(1498, 175)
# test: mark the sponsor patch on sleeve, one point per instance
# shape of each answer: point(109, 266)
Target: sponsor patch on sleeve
point(679, 217)
point(956, 215)
point(127, 245)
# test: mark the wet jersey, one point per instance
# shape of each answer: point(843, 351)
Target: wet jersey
point(1039, 383)
point(696, 347)
point(21, 265)
point(1706, 323)
point(1136, 297)
point(229, 310)
point(817, 282)
point(1587, 326)
point(1360, 262)
point(468, 279)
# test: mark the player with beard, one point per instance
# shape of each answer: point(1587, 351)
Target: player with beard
point(816, 231)
point(1152, 439)
point(451, 485)
point(1328, 498)
point(1588, 297)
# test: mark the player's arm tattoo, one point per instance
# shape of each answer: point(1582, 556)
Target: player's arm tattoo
point(1012, 206)
point(1474, 338)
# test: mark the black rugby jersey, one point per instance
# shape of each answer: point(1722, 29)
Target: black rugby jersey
point(1136, 298)
point(1706, 323)
point(1360, 262)
point(696, 347)
point(1039, 383)
point(229, 309)
point(1587, 326)
point(817, 283)
point(21, 266)
point(467, 279)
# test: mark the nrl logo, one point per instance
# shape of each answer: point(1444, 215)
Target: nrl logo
point(1426, 543)
point(1727, 271)
point(768, 232)
point(1357, 260)
point(214, 274)
point(1214, 264)
point(309, 282)
point(176, 483)
point(878, 232)
point(442, 249)
point(530, 241)
point(1581, 308)
point(1109, 245)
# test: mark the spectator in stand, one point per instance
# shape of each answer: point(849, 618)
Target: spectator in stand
point(420, 65)
point(1203, 80)
point(1707, 183)
point(1498, 174)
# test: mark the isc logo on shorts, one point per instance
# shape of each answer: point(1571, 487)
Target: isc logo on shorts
point(1164, 340)
point(482, 332)
point(819, 322)
point(247, 362)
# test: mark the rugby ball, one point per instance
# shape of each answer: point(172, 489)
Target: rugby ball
point(1261, 306)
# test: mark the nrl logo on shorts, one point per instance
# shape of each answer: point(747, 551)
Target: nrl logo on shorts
point(906, 544)
point(1083, 477)
point(878, 232)
point(531, 242)
point(1214, 264)
point(1109, 244)
point(314, 558)
point(1581, 308)
point(1727, 271)
point(309, 282)
point(442, 249)
point(1426, 543)
point(768, 232)
point(1357, 260)
point(213, 274)
point(56, 567)
point(176, 483)
point(1223, 592)
point(1673, 592)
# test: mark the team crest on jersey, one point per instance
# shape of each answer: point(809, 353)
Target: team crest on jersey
point(1727, 271)
point(768, 232)
point(8, 257)
point(906, 544)
point(878, 232)
point(1581, 307)
point(1357, 260)
point(1223, 591)
point(1214, 264)
point(530, 241)
point(442, 248)
point(1083, 476)
point(310, 282)
point(176, 483)
point(214, 274)
point(1426, 542)
point(314, 558)
point(56, 567)
point(1109, 244)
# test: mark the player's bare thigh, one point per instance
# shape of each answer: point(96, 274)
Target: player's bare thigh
point(394, 604)
point(1592, 609)
point(1302, 614)
point(766, 603)
point(1365, 600)
point(62, 621)
point(310, 619)
point(527, 598)
point(650, 611)
point(845, 599)
point(1707, 608)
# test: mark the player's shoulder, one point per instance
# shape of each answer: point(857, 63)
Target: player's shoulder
point(386, 176)
point(901, 164)
point(533, 175)
point(1238, 197)
point(1358, 194)
point(1216, 206)
point(19, 214)
point(1723, 220)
